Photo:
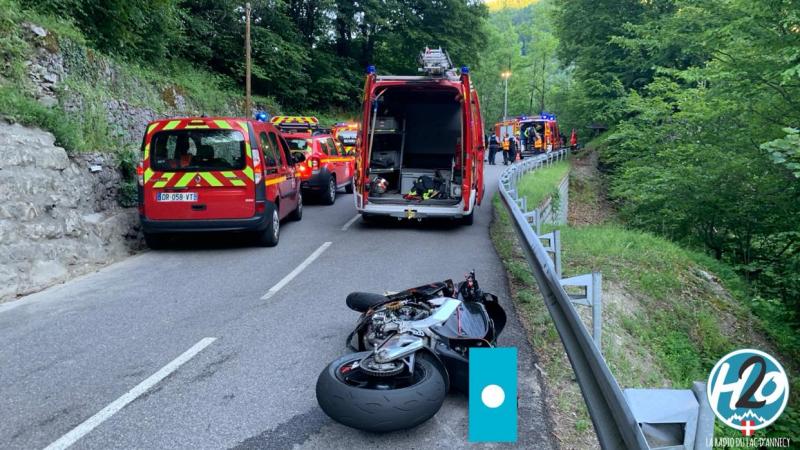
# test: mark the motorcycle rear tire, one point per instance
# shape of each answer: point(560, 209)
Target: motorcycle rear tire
point(381, 410)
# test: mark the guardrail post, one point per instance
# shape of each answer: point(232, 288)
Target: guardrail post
point(532, 218)
point(673, 418)
point(592, 296)
point(553, 248)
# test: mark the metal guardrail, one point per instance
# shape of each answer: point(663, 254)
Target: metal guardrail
point(611, 410)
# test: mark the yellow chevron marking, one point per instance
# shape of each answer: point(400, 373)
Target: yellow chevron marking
point(210, 179)
point(150, 128)
point(237, 182)
point(171, 125)
point(148, 173)
point(185, 179)
point(275, 181)
point(223, 124)
point(146, 151)
point(248, 171)
point(163, 180)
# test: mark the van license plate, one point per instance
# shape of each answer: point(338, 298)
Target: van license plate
point(177, 196)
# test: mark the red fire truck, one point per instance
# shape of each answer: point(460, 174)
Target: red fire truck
point(420, 146)
point(539, 134)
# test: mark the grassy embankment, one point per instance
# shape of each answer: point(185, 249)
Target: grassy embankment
point(669, 313)
point(152, 85)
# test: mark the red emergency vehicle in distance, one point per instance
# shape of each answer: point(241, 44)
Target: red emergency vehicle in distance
point(536, 134)
point(346, 134)
point(539, 134)
point(420, 146)
point(327, 168)
point(216, 174)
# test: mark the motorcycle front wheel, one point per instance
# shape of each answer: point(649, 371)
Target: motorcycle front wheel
point(378, 404)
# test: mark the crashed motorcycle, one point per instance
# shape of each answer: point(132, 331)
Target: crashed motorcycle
point(411, 348)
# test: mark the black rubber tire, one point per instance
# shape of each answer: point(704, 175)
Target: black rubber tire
point(297, 214)
point(271, 235)
point(369, 219)
point(328, 196)
point(381, 411)
point(349, 187)
point(155, 241)
point(362, 301)
point(468, 219)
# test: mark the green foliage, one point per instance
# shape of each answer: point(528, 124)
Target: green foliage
point(786, 151)
point(544, 183)
point(127, 196)
point(12, 46)
point(521, 41)
point(147, 30)
point(127, 160)
point(20, 108)
point(703, 98)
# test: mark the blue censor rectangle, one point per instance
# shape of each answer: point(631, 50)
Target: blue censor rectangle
point(493, 394)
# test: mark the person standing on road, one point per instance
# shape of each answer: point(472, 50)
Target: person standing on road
point(512, 149)
point(493, 145)
point(505, 149)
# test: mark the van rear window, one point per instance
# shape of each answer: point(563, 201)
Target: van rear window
point(299, 145)
point(203, 150)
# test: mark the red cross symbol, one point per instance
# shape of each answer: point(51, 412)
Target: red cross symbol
point(747, 428)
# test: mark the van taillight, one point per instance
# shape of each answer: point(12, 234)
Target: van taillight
point(314, 164)
point(260, 207)
point(140, 173)
point(257, 165)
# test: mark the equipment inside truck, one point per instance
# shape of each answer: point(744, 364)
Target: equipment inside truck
point(417, 133)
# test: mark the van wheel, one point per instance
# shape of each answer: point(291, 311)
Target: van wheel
point(469, 219)
point(329, 194)
point(269, 237)
point(349, 187)
point(297, 214)
point(155, 241)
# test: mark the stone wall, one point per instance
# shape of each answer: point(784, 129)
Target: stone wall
point(59, 217)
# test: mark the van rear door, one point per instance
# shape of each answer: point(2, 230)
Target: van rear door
point(199, 169)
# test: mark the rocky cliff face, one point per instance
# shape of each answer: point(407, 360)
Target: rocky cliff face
point(58, 216)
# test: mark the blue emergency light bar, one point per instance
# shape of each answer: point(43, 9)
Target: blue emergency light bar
point(370, 69)
point(262, 116)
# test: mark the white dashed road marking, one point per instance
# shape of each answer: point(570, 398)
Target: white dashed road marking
point(274, 289)
point(350, 222)
point(92, 422)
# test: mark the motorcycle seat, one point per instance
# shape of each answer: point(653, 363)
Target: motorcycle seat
point(474, 324)
point(362, 301)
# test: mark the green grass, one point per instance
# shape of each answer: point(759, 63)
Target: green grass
point(21, 108)
point(544, 183)
point(679, 322)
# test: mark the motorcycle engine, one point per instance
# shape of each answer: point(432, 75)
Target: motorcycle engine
point(386, 320)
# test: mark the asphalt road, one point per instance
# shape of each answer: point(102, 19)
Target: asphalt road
point(76, 350)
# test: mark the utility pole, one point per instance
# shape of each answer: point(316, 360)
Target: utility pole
point(505, 76)
point(248, 105)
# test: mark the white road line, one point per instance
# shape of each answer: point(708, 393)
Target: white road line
point(92, 422)
point(274, 289)
point(350, 222)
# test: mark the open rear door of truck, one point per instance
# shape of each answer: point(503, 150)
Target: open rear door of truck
point(360, 178)
point(477, 119)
